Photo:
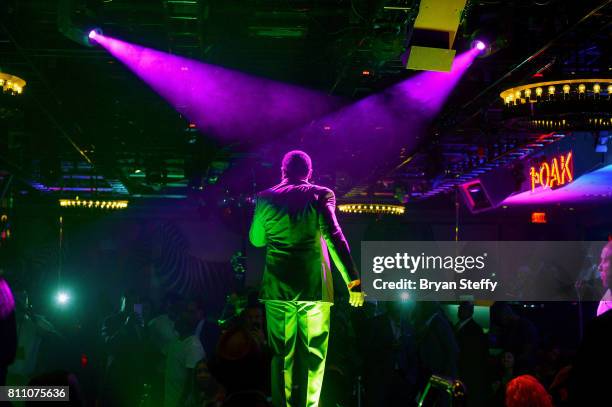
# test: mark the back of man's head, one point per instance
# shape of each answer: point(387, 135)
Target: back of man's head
point(465, 310)
point(188, 318)
point(296, 165)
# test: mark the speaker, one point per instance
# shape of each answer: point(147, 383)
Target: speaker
point(489, 190)
point(433, 35)
point(430, 59)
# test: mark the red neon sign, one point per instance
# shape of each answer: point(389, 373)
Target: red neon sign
point(553, 174)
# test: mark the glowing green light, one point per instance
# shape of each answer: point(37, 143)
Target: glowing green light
point(62, 298)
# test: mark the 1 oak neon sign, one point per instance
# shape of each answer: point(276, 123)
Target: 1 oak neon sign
point(559, 171)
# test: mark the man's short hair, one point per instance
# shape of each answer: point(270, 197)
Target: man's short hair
point(467, 306)
point(296, 164)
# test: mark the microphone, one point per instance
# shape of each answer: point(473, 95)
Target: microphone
point(453, 387)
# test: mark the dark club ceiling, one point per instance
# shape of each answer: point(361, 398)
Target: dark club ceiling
point(85, 124)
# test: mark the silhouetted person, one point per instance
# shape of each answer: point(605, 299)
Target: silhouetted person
point(254, 320)
point(590, 374)
point(161, 328)
point(208, 392)
point(32, 330)
point(123, 335)
point(437, 347)
point(8, 329)
point(605, 273)
point(390, 359)
point(183, 355)
point(517, 335)
point(473, 356)
point(162, 333)
point(239, 366)
point(502, 374)
point(438, 350)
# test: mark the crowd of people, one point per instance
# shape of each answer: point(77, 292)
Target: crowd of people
point(181, 358)
point(142, 354)
point(384, 355)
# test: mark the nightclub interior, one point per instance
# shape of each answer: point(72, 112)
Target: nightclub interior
point(333, 203)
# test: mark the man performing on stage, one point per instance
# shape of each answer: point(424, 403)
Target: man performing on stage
point(291, 220)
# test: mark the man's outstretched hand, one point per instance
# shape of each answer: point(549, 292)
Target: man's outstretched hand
point(356, 299)
point(356, 295)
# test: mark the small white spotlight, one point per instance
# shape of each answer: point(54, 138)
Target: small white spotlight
point(93, 36)
point(62, 298)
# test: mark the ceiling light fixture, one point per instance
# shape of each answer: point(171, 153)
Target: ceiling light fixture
point(11, 84)
point(372, 208)
point(582, 104)
point(91, 204)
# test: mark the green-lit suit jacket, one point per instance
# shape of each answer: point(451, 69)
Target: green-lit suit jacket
point(296, 222)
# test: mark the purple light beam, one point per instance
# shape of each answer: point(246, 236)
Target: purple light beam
point(430, 90)
point(380, 123)
point(221, 102)
point(233, 105)
point(359, 136)
point(7, 302)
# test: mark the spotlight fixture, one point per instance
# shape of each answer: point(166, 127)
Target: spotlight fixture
point(93, 35)
point(91, 204)
point(486, 40)
point(372, 208)
point(479, 45)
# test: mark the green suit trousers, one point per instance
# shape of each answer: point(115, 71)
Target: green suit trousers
point(298, 332)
